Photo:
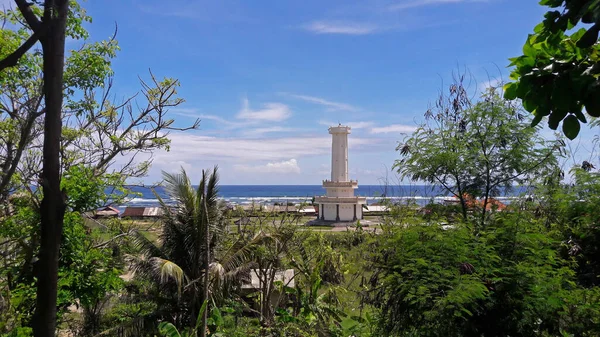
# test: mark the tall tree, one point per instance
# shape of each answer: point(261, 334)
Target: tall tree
point(473, 149)
point(52, 208)
point(50, 31)
point(94, 133)
point(558, 74)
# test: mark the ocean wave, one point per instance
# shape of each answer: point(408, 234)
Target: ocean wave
point(248, 200)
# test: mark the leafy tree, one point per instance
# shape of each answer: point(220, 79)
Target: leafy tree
point(474, 149)
point(507, 281)
point(42, 88)
point(50, 30)
point(558, 74)
point(81, 257)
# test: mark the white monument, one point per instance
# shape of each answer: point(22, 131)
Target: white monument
point(339, 203)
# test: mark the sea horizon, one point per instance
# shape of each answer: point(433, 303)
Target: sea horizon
point(270, 194)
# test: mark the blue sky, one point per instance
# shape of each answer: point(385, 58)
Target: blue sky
point(267, 77)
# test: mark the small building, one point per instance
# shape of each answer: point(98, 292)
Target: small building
point(106, 212)
point(308, 210)
point(254, 283)
point(375, 209)
point(142, 212)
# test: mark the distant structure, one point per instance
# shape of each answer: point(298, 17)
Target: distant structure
point(107, 212)
point(142, 212)
point(339, 203)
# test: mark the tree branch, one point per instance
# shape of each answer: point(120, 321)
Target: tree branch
point(12, 59)
point(32, 20)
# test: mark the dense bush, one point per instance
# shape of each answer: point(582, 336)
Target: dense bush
point(508, 280)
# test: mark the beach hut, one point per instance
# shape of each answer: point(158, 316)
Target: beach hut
point(106, 212)
point(142, 212)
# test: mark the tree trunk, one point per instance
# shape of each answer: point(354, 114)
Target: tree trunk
point(53, 203)
point(206, 268)
point(461, 198)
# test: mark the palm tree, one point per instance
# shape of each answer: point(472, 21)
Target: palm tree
point(192, 240)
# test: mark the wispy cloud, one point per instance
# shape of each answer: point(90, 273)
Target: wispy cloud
point(258, 132)
point(491, 83)
point(353, 125)
point(332, 106)
point(340, 27)
point(287, 166)
point(394, 128)
point(274, 112)
point(423, 3)
point(193, 113)
point(186, 145)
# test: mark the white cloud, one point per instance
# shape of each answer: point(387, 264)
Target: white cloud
point(287, 166)
point(491, 83)
point(394, 128)
point(422, 3)
point(187, 145)
point(273, 112)
point(340, 27)
point(333, 106)
point(262, 131)
point(193, 113)
point(353, 125)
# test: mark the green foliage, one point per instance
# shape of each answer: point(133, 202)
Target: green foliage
point(571, 210)
point(508, 280)
point(474, 149)
point(558, 74)
point(86, 273)
point(87, 190)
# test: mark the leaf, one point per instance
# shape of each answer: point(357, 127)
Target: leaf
point(592, 101)
point(510, 90)
point(589, 38)
point(201, 314)
point(571, 127)
point(528, 49)
point(168, 330)
point(580, 116)
point(217, 317)
point(593, 107)
point(536, 120)
point(555, 117)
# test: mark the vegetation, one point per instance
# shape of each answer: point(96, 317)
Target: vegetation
point(475, 150)
point(557, 75)
point(531, 268)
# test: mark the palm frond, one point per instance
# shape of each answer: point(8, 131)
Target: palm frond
point(168, 270)
point(241, 254)
point(212, 189)
point(178, 187)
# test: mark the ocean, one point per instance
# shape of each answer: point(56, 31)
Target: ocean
point(269, 194)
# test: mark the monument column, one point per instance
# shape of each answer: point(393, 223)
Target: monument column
point(339, 153)
point(340, 189)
